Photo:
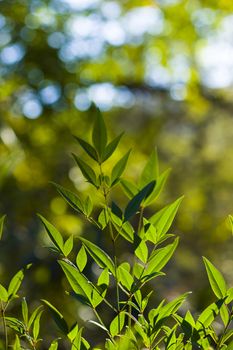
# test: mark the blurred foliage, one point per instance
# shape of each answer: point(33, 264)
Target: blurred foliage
point(159, 70)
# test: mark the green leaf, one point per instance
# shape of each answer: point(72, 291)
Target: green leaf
point(139, 329)
point(76, 342)
point(81, 259)
point(117, 324)
point(17, 345)
point(142, 252)
point(146, 300)
point(99, 135)
point(36, 325)
point(124, 275)
point(129, 188)
point(125, 230)
point(160, 257)
point(150, 171)
point(171, 307)
point(208, 315)
point(150, 232)
point(2, 219)
point(15, 283)
point(216, 279)
point(25, 311)
point(33, 316)
point(86, 170)
point(118, 168)
point(57, 317)
point(80, 284)
point(89, 149)
point(163, 219)
point(111, 147)
point(160, 183)
point(171, 341)
point(227, 336)
point(134, 204)
point(103, 218)
point(71, 198)
point(15, 324)
point(3, 294)
point(103, 282)
point(88, 206)
point(68, 246)
point(229, 295)
point(224, 313)
point(53, 233)
point(73, 332)
point(53, 345)
point(100, 257)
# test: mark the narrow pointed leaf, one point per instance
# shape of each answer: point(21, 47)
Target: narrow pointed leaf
point(229, 295)
point(17, 345)
point(88, 206)
point(142, 251)
point(134, 205)
point(70, 197)
point(160, 258)
point(53, 233)
point(25, 311)
point(15, 283)
point(163, 219)
point(80, 283)
point(86, 170)
point(119, 167)
point(117, 324)
point(81, 259)
point(89, 149)
point(224, 313)
point(209, 314)
point(100, 257)
point(68, 246)
point(57, 316)
point(111, 147)
point(76, 343)
point(99, 135)
point(124, 276)
point(73, 332)
point(103, 282)
point(216, 279)
point(171, 307)
point(2, 219)
point(36, 325)
point(103, 218)
point(3, 294)
point(33, 315)
point(53, 345)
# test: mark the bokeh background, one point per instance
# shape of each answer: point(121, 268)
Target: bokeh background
point(162, 71)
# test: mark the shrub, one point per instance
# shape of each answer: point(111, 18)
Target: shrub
point(135, 324)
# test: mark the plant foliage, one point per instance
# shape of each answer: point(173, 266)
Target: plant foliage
point(135, 324)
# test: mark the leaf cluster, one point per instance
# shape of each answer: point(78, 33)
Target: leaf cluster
point(135, 324)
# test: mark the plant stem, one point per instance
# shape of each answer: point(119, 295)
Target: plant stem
point(101, 322)
point(105, 193)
